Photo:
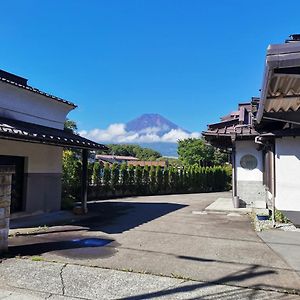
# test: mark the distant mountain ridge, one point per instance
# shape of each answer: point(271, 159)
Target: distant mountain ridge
point(152, 123)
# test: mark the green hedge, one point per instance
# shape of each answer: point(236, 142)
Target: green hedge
point(121, 180)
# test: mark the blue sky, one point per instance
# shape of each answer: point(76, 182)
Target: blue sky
point(190, 61)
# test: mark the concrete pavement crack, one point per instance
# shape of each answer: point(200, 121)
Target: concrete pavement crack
point(62, 279)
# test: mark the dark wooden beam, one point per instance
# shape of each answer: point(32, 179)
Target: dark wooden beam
point(84, 181)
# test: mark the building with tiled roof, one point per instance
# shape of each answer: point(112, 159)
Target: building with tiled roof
point(32, 137)
point(264, 137)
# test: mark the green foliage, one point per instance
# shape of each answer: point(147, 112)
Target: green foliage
point(139, 179)
point(166, 180)
point(96, 179)
point(159, 178)
point(133, 150)
point(152, 179)
point(131, 179)
point(115, 176)
point(146, 180)
point(106, 176)
point(70, 126)
point(71, 167)
point(124, 179)
point(173, 179)
point(280, 217)
point(115, 180)
point(193, 151)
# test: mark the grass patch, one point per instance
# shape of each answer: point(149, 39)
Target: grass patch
point(37, 258)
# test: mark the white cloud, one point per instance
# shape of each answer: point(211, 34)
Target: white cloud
point(116, 133)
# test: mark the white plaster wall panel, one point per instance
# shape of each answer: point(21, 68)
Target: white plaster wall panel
point(20, 104)
point(287, 172)
point(40, 158)
point(243, 148)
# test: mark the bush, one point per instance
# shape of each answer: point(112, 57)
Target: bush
point(124, 180)
point(115, 176)
point(139, 180)
point(96, 177)
point(159, 179)
point(146, 180)
point(106, 177)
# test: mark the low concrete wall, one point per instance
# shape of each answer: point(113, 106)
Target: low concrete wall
point(5, 197)
point(43, 192)
point(251, 192)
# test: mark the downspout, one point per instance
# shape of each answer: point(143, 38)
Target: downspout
point(233, 171)
point(272, 171)
point(84, 181)
point(273, 182)
point(235, 198)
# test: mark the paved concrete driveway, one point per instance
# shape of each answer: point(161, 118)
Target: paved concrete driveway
point(169, 236)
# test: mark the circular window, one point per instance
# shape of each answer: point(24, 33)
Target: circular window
point(248, 162)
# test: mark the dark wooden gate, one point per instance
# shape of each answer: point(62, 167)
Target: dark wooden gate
point(17, 201)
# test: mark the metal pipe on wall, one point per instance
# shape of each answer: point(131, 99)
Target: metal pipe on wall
point(272, 162)
point(84, 181)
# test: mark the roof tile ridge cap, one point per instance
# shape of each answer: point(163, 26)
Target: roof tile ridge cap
point(34, 89)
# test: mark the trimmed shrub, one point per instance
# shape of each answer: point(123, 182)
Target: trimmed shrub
point(159, 179)
point(106, 177)
point(139, 180)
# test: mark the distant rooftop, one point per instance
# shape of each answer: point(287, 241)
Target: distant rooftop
point(115, 157)
point(238, 125)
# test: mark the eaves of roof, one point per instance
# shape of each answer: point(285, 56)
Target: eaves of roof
point(28, 132)
point(37, 91)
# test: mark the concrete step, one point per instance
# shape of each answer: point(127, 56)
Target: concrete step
point(262, 212)
point(259, 204)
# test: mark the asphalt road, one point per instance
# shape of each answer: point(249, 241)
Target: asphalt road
point(160, 247)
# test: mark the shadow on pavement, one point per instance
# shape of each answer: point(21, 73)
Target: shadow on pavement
point(117, 217)
point(87, 247)
point(234, 293)
point(73, 241)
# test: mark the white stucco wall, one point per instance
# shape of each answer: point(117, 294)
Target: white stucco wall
point(39, 158)
point(287, 174)
point(20, 104)
point(250, 188)
point(243, 148)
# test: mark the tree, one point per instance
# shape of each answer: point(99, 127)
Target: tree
point(193, 151)
point(152, 176)
point(106, 176)
point(139, 179)
point(146, 179)
point(115, 176)
point(133, 150)
point(124, 177)
point(159, 178)
point(96, 173)
point(71, 167)
point(70, 125)
point(131, 178)
point(166, 180)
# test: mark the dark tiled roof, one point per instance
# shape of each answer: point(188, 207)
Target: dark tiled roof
point(143, 163)
point(37, 91)
point(236, 125)
point(245, 130)
point(28, 132)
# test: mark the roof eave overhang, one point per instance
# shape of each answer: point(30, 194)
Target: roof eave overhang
point(278, 56)
point(27, 132)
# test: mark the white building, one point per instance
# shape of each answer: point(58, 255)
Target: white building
point(265, 136)
point(32, 138)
